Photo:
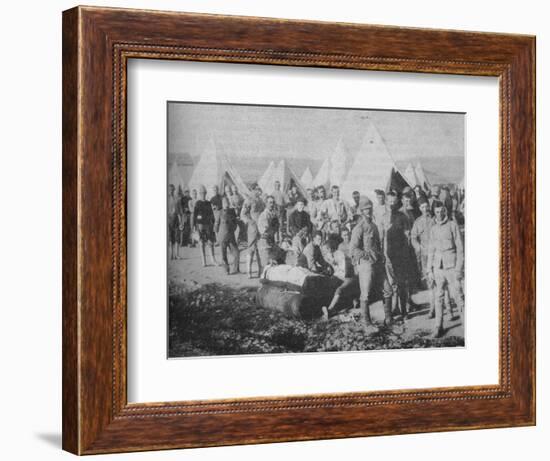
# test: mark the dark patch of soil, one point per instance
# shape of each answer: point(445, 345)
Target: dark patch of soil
point(217, 320)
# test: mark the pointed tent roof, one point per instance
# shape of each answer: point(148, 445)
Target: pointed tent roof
point(265, 179)
point(307, 178)
point(323, 175)
point(337, 173)
point(286, 176)
point(421, 176)
point(373, 168)
point(410, 175)
point(214, 168)
point(174, 176)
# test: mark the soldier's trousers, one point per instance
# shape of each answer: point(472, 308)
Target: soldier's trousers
point(368, 277)
point(231, 244)
point(446, 278)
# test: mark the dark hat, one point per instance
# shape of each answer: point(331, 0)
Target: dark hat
point(422, 200)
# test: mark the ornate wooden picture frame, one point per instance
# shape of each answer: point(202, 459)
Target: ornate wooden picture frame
point(97, 44)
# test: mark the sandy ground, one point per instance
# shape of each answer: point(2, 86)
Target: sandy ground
point(188, 270)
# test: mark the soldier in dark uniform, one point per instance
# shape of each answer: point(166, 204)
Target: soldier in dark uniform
point(299, 219)
point(395, 242)
point(216, 202)
point(225, 226)
point(203, 221)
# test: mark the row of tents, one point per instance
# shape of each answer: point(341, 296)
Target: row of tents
point(372, 168)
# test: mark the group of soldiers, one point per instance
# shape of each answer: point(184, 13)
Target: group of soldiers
point(406, 241)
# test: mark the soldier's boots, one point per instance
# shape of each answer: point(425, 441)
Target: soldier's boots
point(367, 320)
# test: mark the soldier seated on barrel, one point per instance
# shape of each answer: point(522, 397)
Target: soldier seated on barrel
point(343, 271)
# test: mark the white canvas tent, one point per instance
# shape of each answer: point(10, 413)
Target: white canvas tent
point(421, 176)
point(214, 168)
point(373, 168)
point(337, 173)
point(307, 178)
point(265, 179)
point(410, 175)
point(175, 177)
point(323, 175)
point(286, 176)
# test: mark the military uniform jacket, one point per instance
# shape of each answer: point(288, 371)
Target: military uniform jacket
point(226, 224)
point(365, 243)
point(446, 250)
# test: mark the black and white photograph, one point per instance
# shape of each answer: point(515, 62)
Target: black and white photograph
point(313, 229)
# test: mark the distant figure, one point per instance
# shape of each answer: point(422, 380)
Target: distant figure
point(354, 214)
point(216, 201)
point(225, 226)
point(173, 222)
point(203, 222)
point(191, 205)
point(184, 217)
point(380, 209)
point(280, 204)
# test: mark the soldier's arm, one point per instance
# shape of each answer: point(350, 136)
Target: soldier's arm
point(356, 243)
point(431, 250)
point(459, 244)
point(415, 234)
point(217, 222)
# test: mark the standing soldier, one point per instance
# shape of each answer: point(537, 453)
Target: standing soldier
point(317, 217)
point(354, 215)
point(191, 205)
point(203, 221)
point(268, 226)
point(410, 210)
point(280, 204)
point(216, 202)
point(225, 226)
point(380, 209)
point(420, 239)
point(445, 263)
point(173, 222)
point(250, 212)
point(366, 252)
point(335, 210)
point(236, 202)
point(395, 242)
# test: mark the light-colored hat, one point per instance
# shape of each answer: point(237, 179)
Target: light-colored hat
point(364, 202)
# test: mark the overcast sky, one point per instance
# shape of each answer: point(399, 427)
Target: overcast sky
point(278, 131)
